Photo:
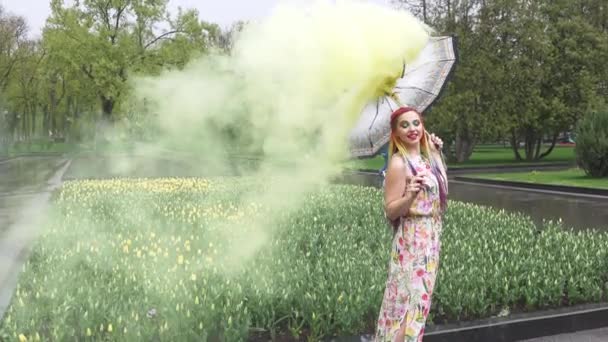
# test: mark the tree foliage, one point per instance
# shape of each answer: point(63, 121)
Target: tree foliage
point(528, 70)
point(78, 72)
point(107, 40)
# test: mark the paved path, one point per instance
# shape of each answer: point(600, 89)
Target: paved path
point(595, 335)
point(22, 211)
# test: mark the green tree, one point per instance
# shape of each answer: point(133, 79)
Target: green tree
point(23, 91)
point(562, 56)
point(13, 35)
point(225, 40)
point(65, 92)
point(526, 71)
point(107, 40)
point(466, 114)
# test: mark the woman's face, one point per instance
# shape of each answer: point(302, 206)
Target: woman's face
point(409, 128)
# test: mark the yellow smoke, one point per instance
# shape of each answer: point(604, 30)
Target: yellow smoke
point(290, 91)
point(318, 65)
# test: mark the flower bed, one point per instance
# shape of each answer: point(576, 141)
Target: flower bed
point(192, 259)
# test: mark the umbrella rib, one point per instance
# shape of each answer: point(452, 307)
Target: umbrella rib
point(426, 63)
point(375, 116)
point(418, 88)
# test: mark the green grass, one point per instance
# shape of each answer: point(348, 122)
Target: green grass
point(375, 163)
point(500, 155)
point(570, 177)
point(37, 147)
point(482, 156)
point(185, 259)
point(41, 146)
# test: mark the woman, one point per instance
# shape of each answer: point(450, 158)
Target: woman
point(415, 199)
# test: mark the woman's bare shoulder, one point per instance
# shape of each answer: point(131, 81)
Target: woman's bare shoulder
point(397, 166)
point(396, 162)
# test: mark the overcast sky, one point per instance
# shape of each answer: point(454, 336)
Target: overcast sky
point(222, 12)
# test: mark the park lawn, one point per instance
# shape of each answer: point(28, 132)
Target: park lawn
point(570, 177)
point(504, 155)
point(37, 147)
point(41, 146)
point(482, 156)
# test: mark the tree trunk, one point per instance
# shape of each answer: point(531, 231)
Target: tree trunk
point(13, 126)
point(515, 145)
point(534, 143)
point(33, 124)
point(424, 17)
point(548, 151)
point(64, 124)
point(52, 104)
point(464, 145)
point(539, 143)
point(107, 105)
point(45, 120)
point(23, 117)
point(529, 144)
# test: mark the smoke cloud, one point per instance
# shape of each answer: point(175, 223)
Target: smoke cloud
point(288, 95)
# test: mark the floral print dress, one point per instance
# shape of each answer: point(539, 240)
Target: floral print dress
point(413, 264)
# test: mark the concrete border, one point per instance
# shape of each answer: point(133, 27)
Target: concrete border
point(8, 159)
point(574, 190)
point(32, 154)
point(493, 168)
point(510, 168)
point(525, 326)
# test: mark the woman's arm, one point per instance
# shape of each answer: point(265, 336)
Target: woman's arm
point(400, 188)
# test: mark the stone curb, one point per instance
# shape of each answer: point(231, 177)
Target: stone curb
point(494, 168)
point(576, 190)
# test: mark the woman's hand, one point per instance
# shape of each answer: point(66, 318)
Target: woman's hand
point(413, 185)
point(437, 141)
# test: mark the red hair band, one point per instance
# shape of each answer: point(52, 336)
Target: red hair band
point(400, 111)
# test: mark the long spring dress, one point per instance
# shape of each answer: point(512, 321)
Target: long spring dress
point(413, 264)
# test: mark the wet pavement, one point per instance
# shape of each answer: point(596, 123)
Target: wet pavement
point(595, 335)
point(25, 174)
point(576, 211)
point(25, 188)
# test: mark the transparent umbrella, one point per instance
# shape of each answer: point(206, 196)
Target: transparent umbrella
point(419, 86)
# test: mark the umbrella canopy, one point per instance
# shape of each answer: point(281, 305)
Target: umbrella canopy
point(419, 87)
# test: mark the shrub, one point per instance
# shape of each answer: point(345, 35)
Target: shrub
point(592, 144)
